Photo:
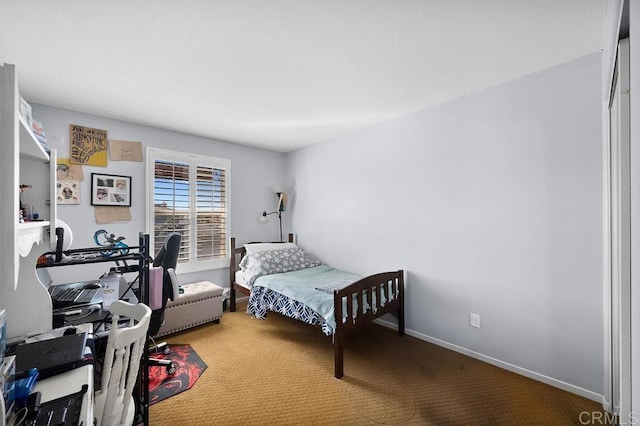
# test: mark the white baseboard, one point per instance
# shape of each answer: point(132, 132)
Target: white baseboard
point(505, 365)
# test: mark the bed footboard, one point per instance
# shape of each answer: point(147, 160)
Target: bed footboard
point(374, 296)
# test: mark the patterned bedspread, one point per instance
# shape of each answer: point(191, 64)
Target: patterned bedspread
point(262, 300)
point(304, 295)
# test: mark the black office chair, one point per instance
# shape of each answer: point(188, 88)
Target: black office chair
point(167, 257)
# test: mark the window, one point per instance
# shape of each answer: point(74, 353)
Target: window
point(189, 194)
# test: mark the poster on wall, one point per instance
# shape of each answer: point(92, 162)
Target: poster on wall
point(68, 192)
point(112, 214)
point(67, 171)
point(125, 151)
point(88, 146)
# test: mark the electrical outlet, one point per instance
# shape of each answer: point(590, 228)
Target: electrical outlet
point(474, 320)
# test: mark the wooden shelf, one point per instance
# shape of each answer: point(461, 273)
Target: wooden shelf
point(33, 224)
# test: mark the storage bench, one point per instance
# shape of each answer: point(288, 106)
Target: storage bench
point(200, 303)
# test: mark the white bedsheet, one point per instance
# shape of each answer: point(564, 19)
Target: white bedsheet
point(240, 279)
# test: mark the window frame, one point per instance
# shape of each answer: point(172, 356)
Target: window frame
point(194, 160)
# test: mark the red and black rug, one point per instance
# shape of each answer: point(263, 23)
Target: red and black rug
point(189, 368)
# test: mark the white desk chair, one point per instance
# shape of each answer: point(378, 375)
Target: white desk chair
point(2, 411)
point(114, 403)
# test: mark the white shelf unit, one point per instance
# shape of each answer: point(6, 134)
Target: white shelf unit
point(30, 233)
point(19, 285)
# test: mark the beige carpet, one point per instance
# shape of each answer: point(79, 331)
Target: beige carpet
point(280, 371)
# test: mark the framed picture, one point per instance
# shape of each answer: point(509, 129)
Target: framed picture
point(110, 190)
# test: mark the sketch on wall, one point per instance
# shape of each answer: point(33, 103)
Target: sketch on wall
point(67, 171)
point(125, 151)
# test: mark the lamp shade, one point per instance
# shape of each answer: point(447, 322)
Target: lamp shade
point(282, 202)
point(278, 189)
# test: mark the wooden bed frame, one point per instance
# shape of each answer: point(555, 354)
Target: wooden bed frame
point(378, 284)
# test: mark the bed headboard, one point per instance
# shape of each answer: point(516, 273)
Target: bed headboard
point(237, 253)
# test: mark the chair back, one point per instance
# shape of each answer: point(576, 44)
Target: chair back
point(167, 257)
point(125, 345)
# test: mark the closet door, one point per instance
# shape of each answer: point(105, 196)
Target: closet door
point(619, 231)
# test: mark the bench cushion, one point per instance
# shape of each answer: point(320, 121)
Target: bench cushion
point(200, 303)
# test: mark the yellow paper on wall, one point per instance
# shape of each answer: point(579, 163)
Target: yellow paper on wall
point(88, 146)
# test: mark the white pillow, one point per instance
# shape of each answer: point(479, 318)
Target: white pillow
point(258, 247)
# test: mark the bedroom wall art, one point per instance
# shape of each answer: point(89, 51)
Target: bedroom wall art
point(110, 190)
point(68, 192)
point(88, 146)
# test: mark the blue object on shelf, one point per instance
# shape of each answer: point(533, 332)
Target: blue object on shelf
point(113, 245)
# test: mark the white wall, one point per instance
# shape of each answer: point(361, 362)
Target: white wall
point(253, 171)
point(492, 203)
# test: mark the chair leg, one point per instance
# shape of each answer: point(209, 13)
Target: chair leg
point(164, 348)
point(167, 363)
point(160, 347)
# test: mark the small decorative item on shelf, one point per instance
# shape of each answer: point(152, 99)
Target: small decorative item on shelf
point(24, 209)
point(113, 245)
point(38, 130)
point(25, 110)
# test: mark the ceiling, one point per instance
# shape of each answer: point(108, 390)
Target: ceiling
point(282, 74)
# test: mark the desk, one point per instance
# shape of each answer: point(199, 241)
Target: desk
point(98, 321)
point(70, 382)
point(100, 335)
point(90, 313)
